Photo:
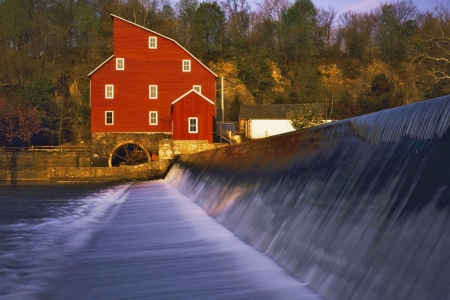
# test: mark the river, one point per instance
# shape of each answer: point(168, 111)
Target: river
point(126, 241)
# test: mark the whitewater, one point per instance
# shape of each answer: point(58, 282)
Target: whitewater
point(131, 241)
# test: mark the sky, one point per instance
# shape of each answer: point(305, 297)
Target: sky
point(362, 5)
point(367, 5)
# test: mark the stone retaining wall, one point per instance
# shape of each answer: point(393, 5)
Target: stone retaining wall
point(151, 170)
point(93, 165)
point(33, 165)
point(170, 149)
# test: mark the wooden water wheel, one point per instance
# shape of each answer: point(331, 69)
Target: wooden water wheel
point(128, 154)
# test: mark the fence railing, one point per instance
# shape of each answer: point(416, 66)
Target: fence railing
point(45, 148)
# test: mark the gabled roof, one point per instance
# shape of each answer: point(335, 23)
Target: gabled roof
point(187, 93)
point(276, 111)
point(89, 75)
point(158, 34)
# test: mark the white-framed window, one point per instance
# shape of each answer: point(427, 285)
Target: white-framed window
point(153, 92)
point(193, 125)
point(186, 65)
point(109, 91)
point(197, 88)
point(153, 118)
point(152, 42)
point(120, 63)
point(109, 117)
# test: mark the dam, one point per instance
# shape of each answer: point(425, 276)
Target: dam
point(355, 209)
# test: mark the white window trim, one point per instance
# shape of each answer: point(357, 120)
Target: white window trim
point(150, 91)
point(188, 61)
point(123, 64)
point(196, 125)
point(150, 118)
point(106, 91)
point(198, 88)
point(154, 38)
point(106, 117)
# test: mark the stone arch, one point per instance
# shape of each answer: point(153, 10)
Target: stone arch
point(128, 153)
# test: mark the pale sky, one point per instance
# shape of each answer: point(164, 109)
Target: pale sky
point(362, 5)
point(367, 5)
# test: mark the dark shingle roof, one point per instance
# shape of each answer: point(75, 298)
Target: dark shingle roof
point(276, 111)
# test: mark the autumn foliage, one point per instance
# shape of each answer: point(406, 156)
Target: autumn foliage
point(18, 121)
point(269, 51)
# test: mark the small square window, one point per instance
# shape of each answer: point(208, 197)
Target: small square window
point(197, 88)
point(153, 92)
point(109, 91)
point(109, 118)
point(186, 65)
point(120, 64)
point(153, 118)
point(152, 42)
point(193, 125)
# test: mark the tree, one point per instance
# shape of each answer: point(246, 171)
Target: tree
point(300, 30)
point(39, 90)
point(432, 49)
point(267, 29)
point(346, 107)
point(396, 26)
point(308, 85)
point(186, 14)
point(332, 82)
point(238, 24)
point(209, 23)
point(303, 120)
point(355, 32)
point(234, 109)
point(61, 118)
point(168, 20)
point(255, 73)
point(382, 95)
point(325, 19)
point(18, 121)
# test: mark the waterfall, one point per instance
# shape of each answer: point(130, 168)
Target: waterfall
point(357, 209)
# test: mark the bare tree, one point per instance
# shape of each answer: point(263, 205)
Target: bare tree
point(357, 32)
point(326, 20)
point(272, 9)
point(432, 54)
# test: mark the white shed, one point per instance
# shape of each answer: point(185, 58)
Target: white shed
point(259, 121)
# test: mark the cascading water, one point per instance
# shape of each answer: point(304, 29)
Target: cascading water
point(358, 209)
point(131, 241)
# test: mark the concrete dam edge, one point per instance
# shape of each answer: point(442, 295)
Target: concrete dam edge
point(357, 209)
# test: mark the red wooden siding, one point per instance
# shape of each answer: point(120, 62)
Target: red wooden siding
point(144, 67)
point(193, 106)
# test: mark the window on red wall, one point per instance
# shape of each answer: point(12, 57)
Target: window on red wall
point(153, 118)
point(120, 64)
point(193, 125)
point(197, 88)
point(186, 65)
point(153, 92)
point(109, 91)
point(109, 117)
point(152, 42)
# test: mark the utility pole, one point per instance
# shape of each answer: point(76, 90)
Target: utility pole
point(221, 85)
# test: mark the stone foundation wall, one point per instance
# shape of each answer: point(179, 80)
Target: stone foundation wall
point(151, 170)
point(93, 165)
point(103, 143)
point(170, 149)
point(33, 165)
